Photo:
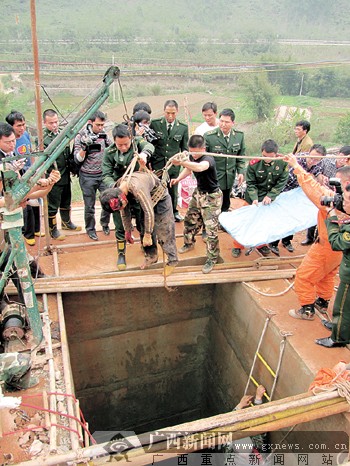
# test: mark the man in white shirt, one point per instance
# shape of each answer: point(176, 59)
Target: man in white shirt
point(209, 112)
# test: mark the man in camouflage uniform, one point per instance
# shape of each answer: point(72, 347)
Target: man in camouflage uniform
point(172, 138)
point(60, 196)
point(225, 140)
point(116, 160)
point(15, 371)
point(205, 204)
point(265, 181)
point(146, 188)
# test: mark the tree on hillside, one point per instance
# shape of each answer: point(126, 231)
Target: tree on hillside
point(323, 83)
point(3, 105)
point(287, 79)
point(342, 132)
point(259, 95)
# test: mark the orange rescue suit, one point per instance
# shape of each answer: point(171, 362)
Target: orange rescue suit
point(316, 274)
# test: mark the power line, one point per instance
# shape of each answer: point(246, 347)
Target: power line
point(225, 67)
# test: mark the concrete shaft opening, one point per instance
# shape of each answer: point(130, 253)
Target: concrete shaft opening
point(147, 358)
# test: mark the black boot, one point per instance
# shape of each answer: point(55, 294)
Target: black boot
point(121, 263)
point(322, 305)
point(67, 223)
point(54, 232)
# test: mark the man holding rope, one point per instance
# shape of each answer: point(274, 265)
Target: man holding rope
point(315, 277)
point(116, 160)
point(147, 189)
point(205, 204)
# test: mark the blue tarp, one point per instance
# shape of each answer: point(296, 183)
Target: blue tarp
point(254, 225)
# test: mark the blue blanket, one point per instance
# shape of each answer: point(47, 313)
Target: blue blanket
point(254, 225)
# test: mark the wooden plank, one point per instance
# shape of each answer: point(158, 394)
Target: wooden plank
point(103, 283)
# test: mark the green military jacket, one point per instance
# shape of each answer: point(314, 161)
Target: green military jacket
point(115, 163)
point(265, 179)
point(62, 160)
point(168, 145)
point(226, 168)
point(339, 238)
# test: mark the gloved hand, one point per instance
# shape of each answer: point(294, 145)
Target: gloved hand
point(142, 159)
point(85, 141)
point(147, 239)
point(144, 156)
point(129, 238)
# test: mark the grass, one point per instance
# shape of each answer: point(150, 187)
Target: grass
point(77, 195)
point(298, 101)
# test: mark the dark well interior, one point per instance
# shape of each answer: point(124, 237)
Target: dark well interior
point(143, 359)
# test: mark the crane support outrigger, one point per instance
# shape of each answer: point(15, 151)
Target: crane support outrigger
point(16, 189)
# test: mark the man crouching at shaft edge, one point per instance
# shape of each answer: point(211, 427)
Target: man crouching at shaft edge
point(158, 219)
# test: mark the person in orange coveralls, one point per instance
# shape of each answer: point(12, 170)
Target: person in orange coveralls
point(314, 279)
point(326, 377)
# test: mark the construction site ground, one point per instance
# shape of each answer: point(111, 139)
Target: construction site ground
point(79, 256)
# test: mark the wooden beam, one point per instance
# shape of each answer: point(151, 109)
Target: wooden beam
point(153, 280)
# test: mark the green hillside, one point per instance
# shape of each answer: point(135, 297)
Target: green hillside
point(196, 31)
point(224, 19)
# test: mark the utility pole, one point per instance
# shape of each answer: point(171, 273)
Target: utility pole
point(301, 84)
point(113, 85)
point(36, 74)
point(39, 123)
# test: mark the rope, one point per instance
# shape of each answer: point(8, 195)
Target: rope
point(187, 115)
point(279, 157)
point(337, 383)
point(66, 415)
point(53, 104)
point(74, 109)
point(130, 170)
point(281, 293)
point(180, 156)
point(162, 174)
point(267, 460)
point(267, 320)
point(279, 363)
point(126, 116)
